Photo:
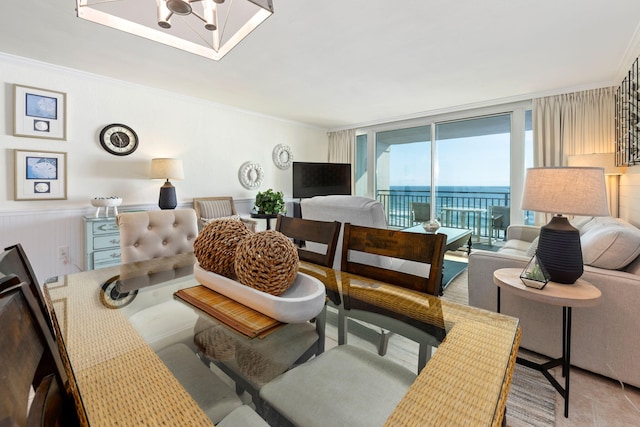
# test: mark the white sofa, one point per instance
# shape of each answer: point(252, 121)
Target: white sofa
point(604, 338)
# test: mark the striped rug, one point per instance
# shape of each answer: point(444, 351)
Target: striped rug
point(531, 400)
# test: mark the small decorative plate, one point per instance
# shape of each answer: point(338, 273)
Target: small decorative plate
point(250, 175)
point(282, 156)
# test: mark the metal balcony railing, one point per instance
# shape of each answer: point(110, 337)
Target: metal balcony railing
point(397, 205)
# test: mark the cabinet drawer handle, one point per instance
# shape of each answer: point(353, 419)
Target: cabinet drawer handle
point(114, 241)
point(115, 255)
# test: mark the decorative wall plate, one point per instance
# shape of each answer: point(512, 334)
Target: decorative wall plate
point(250, 175)
point(282, 156)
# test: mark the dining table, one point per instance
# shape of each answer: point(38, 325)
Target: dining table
point(110, 324)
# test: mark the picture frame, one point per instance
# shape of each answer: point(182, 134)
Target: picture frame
point(40, 175)
point(39, 113)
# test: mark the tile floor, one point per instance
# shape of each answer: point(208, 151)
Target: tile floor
point(597, 401)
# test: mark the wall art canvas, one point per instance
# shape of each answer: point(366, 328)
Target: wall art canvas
point(39, 113)
point(40, 175)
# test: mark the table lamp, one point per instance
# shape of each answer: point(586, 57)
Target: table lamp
point(569, 191)
point(167, 169)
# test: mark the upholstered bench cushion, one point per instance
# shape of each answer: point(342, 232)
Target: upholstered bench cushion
point(610, 244)
point(213, 395)
point(351, 386)
point(242, 416)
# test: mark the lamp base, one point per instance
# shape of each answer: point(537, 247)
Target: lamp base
point(559, 250)
point(167, 196)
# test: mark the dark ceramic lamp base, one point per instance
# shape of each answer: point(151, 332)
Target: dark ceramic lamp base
point(559, 250)
point(167, 196)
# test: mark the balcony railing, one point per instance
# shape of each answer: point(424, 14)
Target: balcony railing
point(397, 205)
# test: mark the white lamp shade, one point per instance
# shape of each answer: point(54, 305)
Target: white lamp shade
point(566, 190)
point(601, 160)
point(166, 169)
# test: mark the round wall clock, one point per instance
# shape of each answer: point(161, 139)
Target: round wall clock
point(118, 139)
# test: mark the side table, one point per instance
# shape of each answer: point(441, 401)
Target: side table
point(268, 217)
point(579, 294)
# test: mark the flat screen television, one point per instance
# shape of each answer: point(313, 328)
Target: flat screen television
point(320, 179)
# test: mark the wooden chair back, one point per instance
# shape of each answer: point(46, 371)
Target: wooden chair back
point(14, 260)
point(30, 358)
point(416, 247)
point(307, 230)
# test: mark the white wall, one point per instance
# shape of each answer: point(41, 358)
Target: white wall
point(212, 140)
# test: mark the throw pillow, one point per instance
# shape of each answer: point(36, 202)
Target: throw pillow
point(222, 218)
point(533, 247)
point(611, 246)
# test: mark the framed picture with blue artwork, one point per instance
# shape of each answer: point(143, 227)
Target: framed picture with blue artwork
point(40, 175)
point(39, 113)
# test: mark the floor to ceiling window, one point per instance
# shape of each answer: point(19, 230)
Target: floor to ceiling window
point(467, 171)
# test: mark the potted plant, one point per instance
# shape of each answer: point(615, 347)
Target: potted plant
point(269, 202)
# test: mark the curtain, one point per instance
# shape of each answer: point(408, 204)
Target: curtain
point(342, 146)
point(575, 123)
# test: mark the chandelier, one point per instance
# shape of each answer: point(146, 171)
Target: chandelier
point(210, 28)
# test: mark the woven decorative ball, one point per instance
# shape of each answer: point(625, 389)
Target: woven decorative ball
point(215, 246)
point(267, 261)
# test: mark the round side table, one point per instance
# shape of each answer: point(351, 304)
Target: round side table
point(579, 294)
point(268, 217)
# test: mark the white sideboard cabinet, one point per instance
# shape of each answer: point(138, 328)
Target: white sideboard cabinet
point(102, 242)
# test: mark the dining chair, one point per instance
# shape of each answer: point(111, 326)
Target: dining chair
point(30, 360)
point(208, 208)
point(307, 230)
point(352, 385)
point(14, 260)
point(410, 260)
point(155, 234)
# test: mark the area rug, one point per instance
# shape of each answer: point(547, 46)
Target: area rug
point(531, 400)
point(451, 270)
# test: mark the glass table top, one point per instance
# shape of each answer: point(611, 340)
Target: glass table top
point(112, 321)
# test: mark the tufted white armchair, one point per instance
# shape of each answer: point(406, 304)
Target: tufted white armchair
point(154, 234)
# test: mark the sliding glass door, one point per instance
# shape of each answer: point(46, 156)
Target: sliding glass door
point(403, 172)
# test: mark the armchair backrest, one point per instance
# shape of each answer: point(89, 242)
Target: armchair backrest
point(155, 234)
point(353, 209)
point(214, 207)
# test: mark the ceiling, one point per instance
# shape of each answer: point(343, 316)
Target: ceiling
point(338, 64)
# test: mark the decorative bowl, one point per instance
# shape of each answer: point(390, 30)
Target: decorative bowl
point(431, 226)
point(303, 301)
point(100, 202)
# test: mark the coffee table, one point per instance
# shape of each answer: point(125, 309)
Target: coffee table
point(456, 237)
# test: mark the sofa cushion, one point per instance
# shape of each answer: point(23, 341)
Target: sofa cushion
point(515, 247)
point(610, 244)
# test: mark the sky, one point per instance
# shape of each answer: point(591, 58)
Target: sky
point(475, 161)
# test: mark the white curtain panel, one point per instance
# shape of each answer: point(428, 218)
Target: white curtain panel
point(342, 146)
point(575, 123)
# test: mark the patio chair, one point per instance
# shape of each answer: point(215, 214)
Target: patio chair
point(208, 208)
point(420, 212)
point(499, 220)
